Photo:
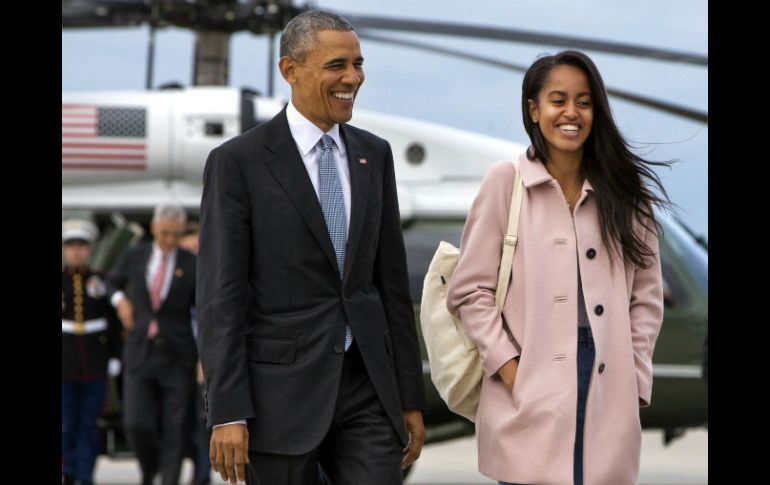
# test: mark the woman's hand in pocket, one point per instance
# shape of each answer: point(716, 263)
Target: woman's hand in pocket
point(508, 373)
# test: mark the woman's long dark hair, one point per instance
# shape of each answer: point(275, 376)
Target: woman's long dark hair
point(615, 173)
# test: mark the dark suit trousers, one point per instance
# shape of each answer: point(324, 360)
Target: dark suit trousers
point(361, 447)
point(156, 401)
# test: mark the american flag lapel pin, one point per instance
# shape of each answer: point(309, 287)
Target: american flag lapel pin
point(362, 161)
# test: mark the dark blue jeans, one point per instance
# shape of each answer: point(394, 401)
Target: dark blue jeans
point(585, 365)
point(81, 404)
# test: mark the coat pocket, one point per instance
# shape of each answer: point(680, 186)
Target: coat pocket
point(271, 350)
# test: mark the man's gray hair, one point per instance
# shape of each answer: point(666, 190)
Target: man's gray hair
point(169, 210)
point(301, 33)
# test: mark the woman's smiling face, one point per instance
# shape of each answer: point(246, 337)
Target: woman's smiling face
point(564, 111)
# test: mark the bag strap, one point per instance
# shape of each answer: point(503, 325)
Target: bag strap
point(509, 240)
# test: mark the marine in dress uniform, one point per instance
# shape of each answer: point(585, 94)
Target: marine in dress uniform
point(90, 342)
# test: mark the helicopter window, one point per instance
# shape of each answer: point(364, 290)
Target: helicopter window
point(687, 249)
point(415, 153)
point(421, 239)
point(215, 128)
point(675, 294)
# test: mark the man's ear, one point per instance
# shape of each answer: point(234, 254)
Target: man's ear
point(287, 65)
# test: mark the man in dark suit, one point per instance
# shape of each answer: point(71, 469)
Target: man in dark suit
point(306, 328)
point(153, 289)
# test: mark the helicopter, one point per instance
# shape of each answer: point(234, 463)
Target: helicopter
point(114, 170)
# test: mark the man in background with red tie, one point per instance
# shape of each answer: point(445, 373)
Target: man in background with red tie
point(153, 289)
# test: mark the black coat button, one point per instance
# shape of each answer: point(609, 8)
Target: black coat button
point(338, 349)
point(591, 253)
point(599, 309)
point(601, 367)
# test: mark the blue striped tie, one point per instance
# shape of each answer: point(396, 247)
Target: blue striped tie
point(333, 207)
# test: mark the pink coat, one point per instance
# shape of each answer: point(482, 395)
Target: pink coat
point(528, 436)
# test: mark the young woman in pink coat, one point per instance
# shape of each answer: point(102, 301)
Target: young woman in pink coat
point(569, 362)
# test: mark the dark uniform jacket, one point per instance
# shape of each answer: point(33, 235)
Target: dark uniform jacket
point(91, 332)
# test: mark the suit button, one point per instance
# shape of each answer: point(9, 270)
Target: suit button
point(338, 349)
point(601, 367)
point(599, 309)
point(591, 253)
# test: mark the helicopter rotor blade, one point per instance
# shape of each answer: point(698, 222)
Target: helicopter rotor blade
point(231, 16)
point(648, 102)
point(104, 13)
point(259, 17)
point(516, 35)
point(256, 16)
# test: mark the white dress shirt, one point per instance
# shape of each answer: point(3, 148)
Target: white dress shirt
point(152, 267)
point(307, 135)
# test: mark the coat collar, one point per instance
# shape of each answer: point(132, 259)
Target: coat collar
point(533, 172)
point(306, 134)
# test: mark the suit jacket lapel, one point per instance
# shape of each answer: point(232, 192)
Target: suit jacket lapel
point(285, 162)
point(147, 254)
point(359, 194)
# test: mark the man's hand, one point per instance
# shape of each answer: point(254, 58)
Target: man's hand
point(416, 429)
point(229, 452)
point(508, 373)
point(126, 313)
point(113, 367)
point(199, 378)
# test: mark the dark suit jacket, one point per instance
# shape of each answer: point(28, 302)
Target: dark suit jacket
point(271, 305)
point(174, 322)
